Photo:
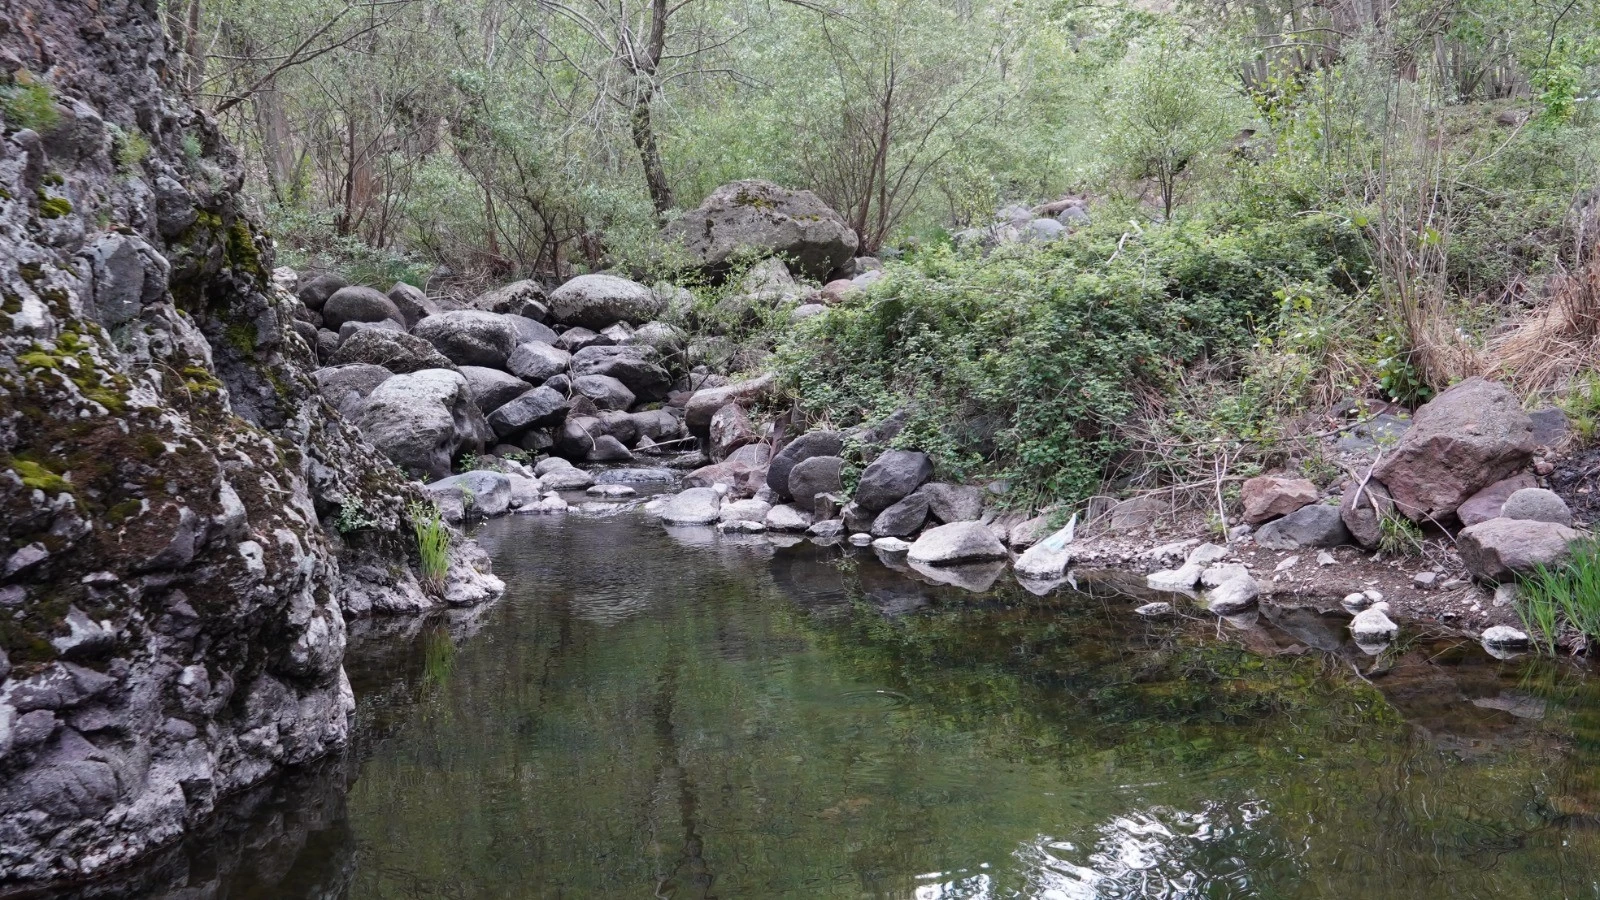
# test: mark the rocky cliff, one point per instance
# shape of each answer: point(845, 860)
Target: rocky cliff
point(172, 592)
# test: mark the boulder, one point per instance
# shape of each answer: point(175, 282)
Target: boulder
point(1268, 497)
point(620, 333)
point(806, 446)
point(1318, 525)
point(1373, 627)
point(704, 404)
point(346, 387)
point(350, 328)
point(658, 424)
point(1538, 505)
point(1048, 558)
point(730, 430)
point(537, 407)
point(605, 391)
point(1487, 503)
point(550, 464)
point(492, 388)
point(856, 518)
point(695, 506)
point(747, 510)
point(570, 478)
point(359, 304)
point(519, 298)
point(529, 330)
point(421, 420)
point(666, 340)
point(470, 337)
point(901, 519)
point(479, 493)
point(537, 363)
point(634, 366)
point(1461, 441)
point(574, 339)
point(413, 303)
point(597, 301)
point(1233, 596)
point(739, 478)
point(1362, 511)
point(400, 353)
point(763, 219)
point(953, 502)
point(608, 449)
point(892, 477)
point(788, 518)
point(813, 476)
point(956, 543)
point(315, 292)
point(1500, 549)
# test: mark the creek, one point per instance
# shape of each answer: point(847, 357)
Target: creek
point(653, 713)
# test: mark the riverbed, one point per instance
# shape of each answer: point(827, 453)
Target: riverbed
point(655, 713)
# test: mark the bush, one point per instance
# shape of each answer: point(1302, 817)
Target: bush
point(1570, 594)
point(1024, 365)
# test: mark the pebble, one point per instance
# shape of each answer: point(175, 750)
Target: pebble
point(1505, 637)
point(890, 545)
point(1154, 610)
point(1425, 580)
point(1324, 558)
point(1372, 626)
point(861, 539)
point(611, 490)
point(1355, 602)
point(1287, 564)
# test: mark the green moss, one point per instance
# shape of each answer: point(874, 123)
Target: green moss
point(241, 250)
point(123, 511)
point(29, 105)
point(38, 359)
point(30, 272)
point(54, 179)
point(37, 477)
point(53, 207)
point(242, 337)
point(131, 150)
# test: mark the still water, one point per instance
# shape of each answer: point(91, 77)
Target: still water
point(654, 714)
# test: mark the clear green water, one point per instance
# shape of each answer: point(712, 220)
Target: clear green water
point(687, 716)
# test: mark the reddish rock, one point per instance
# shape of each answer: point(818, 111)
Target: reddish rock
point(1500, 549)
point(1268, 497)
point(1485, 504)
point(1463, 440)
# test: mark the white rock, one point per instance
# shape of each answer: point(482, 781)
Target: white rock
point(613, 491)
point(1502, 637)
point(741, 526)
point(1373, 626)
point(1324, 558)
point(1355, 602)
point(861, 539)
point(1183, 578)
point(1287, 564)
point(1206, 554)
point(695, 506)
point(1154, 610)
point(1373, 595)
point(958, 542)
point(890, 545)
point(786, 517)
point(1216, 576)
point(1233, 596)
point(751, 510)
point(1050, 557)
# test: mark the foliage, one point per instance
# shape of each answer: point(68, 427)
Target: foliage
point(353, 517)
point(1022, 364)
point(1399, 536)
point(1568, 594)
point(29, 105)
point(433, 541)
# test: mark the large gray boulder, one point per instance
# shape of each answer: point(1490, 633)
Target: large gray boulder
point(635, 366)
point(520, 298)
point(704, 404)
point(956, 543)
point(761, 218)
point(529, 330)
point(605, 391)
point(492, 388)
point(695, 506)
point(478, 493)
point(359, 304)
point(817, 475)
point(953, 502)
point(470, 337)
point(421, 420)
point(1501, 549)
point(1461, 441)
point(538, 407)
point(537, 362)
point(346, 388)
point(731, 429)
point(414, 304)
point(598, 301)
point(816, 443)
point(314, 293)
point(892, 477)
point(398, 352)
point(903, 519)
point(1317, 525)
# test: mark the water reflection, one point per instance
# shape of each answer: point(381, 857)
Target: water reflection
point(684, 714)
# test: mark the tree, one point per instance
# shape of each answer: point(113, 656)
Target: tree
point(1166, 113)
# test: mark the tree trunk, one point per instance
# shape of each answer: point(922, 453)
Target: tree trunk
point(645, 68)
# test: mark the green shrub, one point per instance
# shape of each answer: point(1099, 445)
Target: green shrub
point(29, 106)
point(1569, 594)
point(1026, 364)
point(353, 517)
point(433, 542)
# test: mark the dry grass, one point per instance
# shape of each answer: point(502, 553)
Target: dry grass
point(1560, 338)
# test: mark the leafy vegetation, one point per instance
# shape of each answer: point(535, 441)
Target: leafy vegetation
point(1568, 595)
point(433, 542)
